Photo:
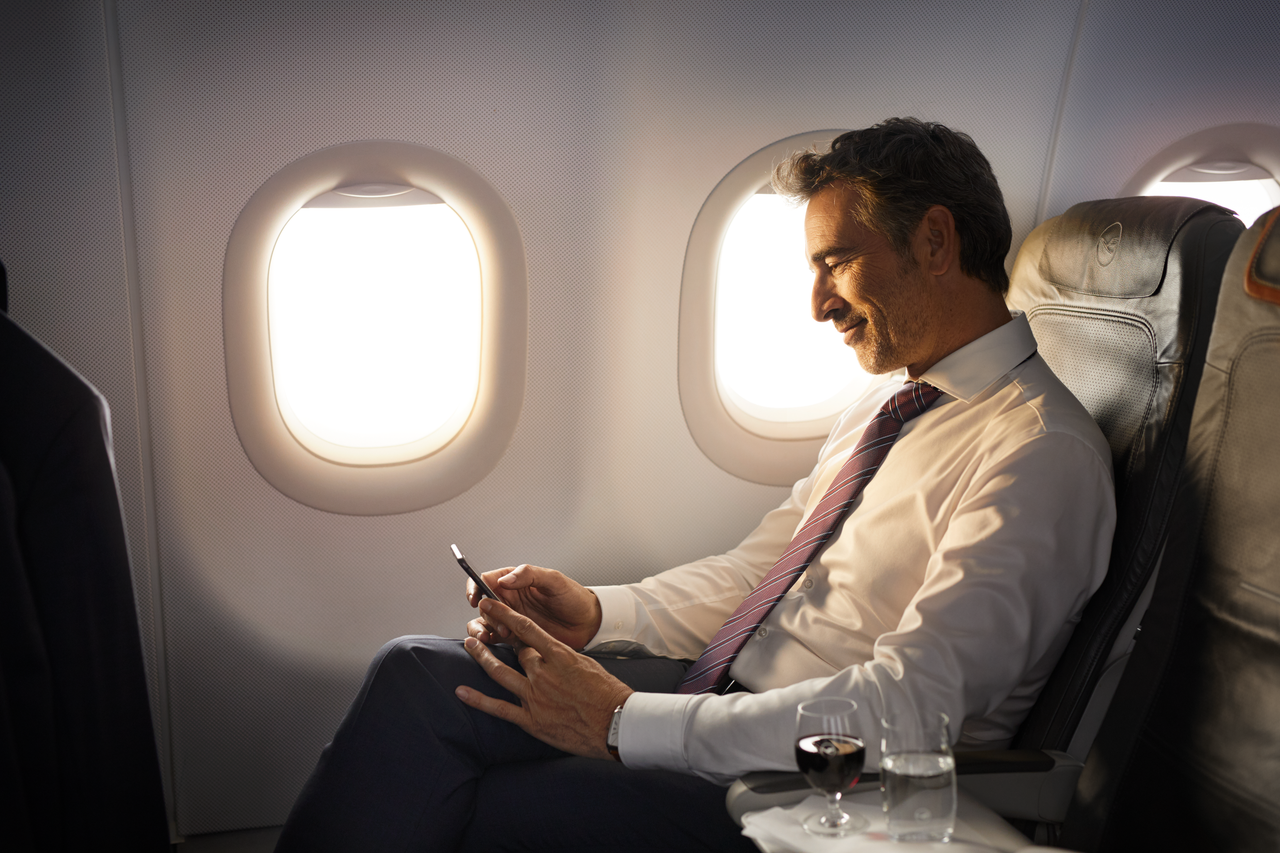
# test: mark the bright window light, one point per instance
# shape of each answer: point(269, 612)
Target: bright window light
point(374, 318)
point(772, 360)
point(1243, 187)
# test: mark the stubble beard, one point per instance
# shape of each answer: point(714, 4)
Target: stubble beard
point(887, 346)
point(878, 353)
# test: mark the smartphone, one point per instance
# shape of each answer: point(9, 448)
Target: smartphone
point(471, 573)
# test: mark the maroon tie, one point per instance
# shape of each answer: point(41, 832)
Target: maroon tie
point(712, 668)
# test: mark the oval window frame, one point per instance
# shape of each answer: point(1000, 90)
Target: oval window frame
point(474, 451)
point(773, 453)
point(1256, 144)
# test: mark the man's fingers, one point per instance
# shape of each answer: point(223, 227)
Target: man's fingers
point(511, 578)
point(493, 633)
point(486, 633)
point(526, 575)
point(500, 578)
point(492, 707)
point(496, 669)
point(524, 628)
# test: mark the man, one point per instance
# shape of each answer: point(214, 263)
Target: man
point(951, 582)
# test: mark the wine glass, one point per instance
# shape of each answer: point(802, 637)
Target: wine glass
point(830, 756)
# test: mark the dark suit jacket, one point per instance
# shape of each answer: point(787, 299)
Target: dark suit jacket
point(78, 765)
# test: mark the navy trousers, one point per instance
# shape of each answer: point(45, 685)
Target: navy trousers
point(411, 768)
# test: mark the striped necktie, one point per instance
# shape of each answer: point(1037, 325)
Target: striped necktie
point(712, 669)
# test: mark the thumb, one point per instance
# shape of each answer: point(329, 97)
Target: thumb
point(524, 576)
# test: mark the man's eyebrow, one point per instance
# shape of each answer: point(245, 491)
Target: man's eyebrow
point(827, 251)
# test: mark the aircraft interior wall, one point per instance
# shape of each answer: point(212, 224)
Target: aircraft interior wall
point(133, 134)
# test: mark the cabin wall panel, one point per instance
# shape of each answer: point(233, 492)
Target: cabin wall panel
point(62, 243)
point(604, 126)
point(1150, 73)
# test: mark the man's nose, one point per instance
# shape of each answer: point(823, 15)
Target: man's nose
point(823, 301)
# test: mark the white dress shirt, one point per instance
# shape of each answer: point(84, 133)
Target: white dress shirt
point(953, 583)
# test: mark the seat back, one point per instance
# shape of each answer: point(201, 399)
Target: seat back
point(78, 757)
point(1189, 756)
point(1120, 294)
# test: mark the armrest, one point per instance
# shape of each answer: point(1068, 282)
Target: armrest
point(1019, 783)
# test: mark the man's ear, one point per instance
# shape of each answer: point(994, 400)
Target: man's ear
point(937, 243)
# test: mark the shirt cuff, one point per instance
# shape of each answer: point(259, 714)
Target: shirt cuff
point(651, 736)
point(617, 615)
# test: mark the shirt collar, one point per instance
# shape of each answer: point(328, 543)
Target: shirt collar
point(972, 369)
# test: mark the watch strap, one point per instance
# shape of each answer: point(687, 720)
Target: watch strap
point(615, 728)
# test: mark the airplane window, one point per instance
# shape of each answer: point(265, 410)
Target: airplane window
point(374, 318)
point(772, 360)
point(1247, 189)
point(375, 313)
point(760, 382)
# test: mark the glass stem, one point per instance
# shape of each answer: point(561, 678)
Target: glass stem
point(835, 817)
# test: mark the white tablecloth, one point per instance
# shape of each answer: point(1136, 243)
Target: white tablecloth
point(778, 830)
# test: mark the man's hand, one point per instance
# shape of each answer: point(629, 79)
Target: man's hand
point(566, 700)
point(561, 606)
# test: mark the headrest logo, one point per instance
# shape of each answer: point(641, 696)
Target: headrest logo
point(1109, 244)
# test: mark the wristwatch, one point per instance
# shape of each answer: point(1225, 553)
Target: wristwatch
point(615, 726)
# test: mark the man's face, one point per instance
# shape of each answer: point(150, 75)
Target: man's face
point(878, 300)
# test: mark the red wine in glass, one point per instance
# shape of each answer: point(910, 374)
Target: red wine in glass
point(830, 763)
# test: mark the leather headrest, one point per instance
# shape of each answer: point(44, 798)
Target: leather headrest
point(1262, 276)
point(1115, 247)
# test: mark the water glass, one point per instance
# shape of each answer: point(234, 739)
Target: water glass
point(918, 776)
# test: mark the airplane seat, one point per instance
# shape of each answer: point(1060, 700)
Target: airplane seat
point(1120, 294)
point(1189, 756)
point(78, 760)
